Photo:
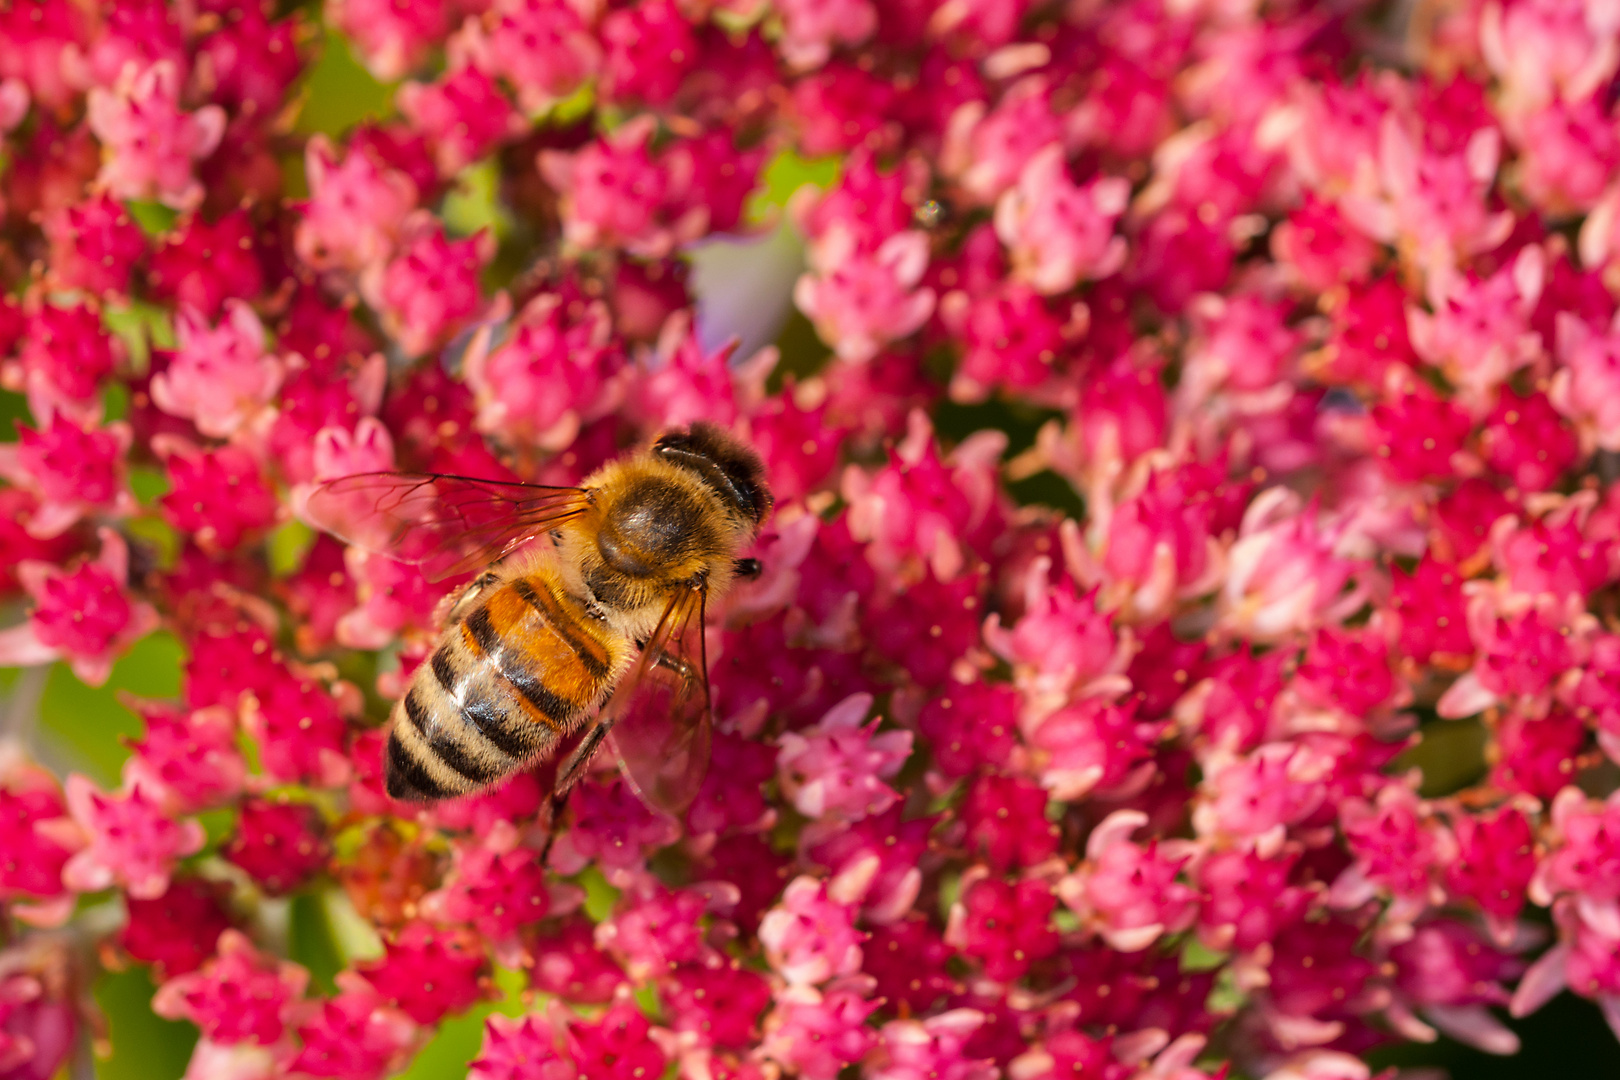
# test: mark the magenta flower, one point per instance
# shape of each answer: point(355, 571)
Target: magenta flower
point(464, 116)
point(522, 1049)
point(817, 1032)
point(222, 378)
point(618, 1046)
point(191, 757)
point(75, 472)
point(353, 1036)
point(863, 301)
point(279, 845)
point(1058, 233)
point(431, 287)
point(84, 617)
point(391, 40)
point(240, 996)
point(544, 50)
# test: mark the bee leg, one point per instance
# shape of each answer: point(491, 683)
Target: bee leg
point(679, 667)
point(568, 776)
point(453, 611)
point(747, 569)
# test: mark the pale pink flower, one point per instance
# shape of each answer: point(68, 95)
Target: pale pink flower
point(1058, 233)
point(355, 209)
point(1127, 892)
point(1586, 386)
point(835, 769)
point(150, 143)
point(811, 29)
point(1431, 205)
point(810, 938)
point(543, 48)
point(1285, 572)
point(931, 1049)
point(861, 301)
point(1479, 332)
point(221, 378)
point(1541, 50)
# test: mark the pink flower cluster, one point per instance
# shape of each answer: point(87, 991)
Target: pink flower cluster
point(1321, 355)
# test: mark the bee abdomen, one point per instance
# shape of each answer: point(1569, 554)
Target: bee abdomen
point(502, 688)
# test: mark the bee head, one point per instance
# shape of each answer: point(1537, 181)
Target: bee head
point(732, 470)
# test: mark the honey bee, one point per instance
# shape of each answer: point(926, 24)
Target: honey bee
point(600, 631)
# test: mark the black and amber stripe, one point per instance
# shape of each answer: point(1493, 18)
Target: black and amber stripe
point(504, 686)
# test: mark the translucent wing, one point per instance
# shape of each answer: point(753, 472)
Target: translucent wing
point(448, 525)
point(658, 716)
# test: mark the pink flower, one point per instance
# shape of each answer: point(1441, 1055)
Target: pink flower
point(1398, 851)
point(150, 142)
point(84, 616)
point(75, 471)
point(1284, 573)
point(931, 1049)
point(650, 48)
point(1011, 338)
point(1006, 824)
point(301, 728)
point(987, 151)
point(719, 1002)
point(1060, 645)
point(1494, 864)
point(222, 378)
point(355, 209)
point(1253, 800)
point(1543, 50)
point(1128, 892)
point(203, 264)
point(431, 288)
point(191, 757)
point(464, 115)
point(658, 930)
point(818, 1033)
point(568, 964)
point(32, 820)
point(811, 30)
point(555, 372)
point(496, 886)
point(1479, 333)
point(353, 1036)
point(1322, 248)
point(1093, 747)
point(129, 841)
point(924, 508)
point(176, 931)
point(612, 826)
point(617, 193)
point(876, 863)
point(95, 245)
point(860, 302)
point(809, 937)
point(970, 725)
point(391, 40)
point(542, 48)
point(1585, 384)
point(63, 359)
point(1057, 233)
point(218, 496)
point(427, 973)
point(240, 996)
point(835, 770)
point(281, 845)
point(1431, 203)
point(617, 1047)
point(520, 1049)
point(250, 62)
point(1247, 899)
point(1004, 926)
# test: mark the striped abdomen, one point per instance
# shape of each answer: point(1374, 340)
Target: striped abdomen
point(511, 678)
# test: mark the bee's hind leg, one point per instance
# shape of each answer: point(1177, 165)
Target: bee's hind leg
point(569, 775)
point(747, 569)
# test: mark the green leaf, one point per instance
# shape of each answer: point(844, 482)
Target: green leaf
point(474, 203)
point(310, 942)
point(86, 725)
point(785, 174)
point(154, 218)
point(144, 1045)
point(288, 545)
point(599, 895)
point(13, 410)
point(340, 92)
